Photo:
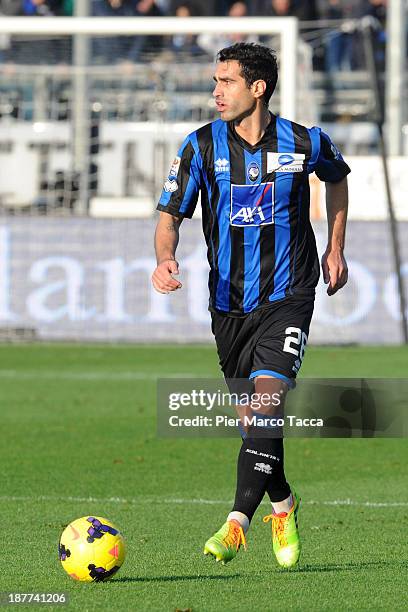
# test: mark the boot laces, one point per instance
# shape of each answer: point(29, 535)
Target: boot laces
point(278, 525)
point(235, 536)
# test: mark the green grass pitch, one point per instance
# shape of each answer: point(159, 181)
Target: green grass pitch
point(78, 436)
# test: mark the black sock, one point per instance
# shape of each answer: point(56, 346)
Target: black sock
point(260, 469)
point(277, 486)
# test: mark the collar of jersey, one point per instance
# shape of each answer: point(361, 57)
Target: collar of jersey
point(270, 134)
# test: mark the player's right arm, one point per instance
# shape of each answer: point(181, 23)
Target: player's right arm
point(178, 200)
point(165, 243)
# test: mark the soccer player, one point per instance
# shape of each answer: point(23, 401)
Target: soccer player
point(252, 170)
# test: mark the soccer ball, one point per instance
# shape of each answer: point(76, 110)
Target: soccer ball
point(91, 549)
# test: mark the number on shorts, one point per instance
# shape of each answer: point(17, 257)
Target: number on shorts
point(295, 342)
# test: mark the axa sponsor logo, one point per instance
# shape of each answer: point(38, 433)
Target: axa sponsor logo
point(221, 165)
point(252, 205)
point(263, 467)
point(246, 214)
point(285, 162)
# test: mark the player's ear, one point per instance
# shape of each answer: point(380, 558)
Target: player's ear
point(258, 88)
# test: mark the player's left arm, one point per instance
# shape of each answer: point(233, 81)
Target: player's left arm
point(334, 265)
point(331, 168)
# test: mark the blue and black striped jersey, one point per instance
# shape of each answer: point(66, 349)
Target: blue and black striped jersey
point(255, 208)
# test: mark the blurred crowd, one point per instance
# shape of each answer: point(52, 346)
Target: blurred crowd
point(340, 43)
point(303, 9)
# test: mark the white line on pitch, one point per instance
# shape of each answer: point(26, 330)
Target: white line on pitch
point(182, 501)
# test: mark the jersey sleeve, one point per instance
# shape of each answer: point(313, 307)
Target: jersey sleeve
point(330, 165)
point(180, 191)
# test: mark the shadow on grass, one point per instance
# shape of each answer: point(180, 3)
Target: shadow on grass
point(345, 567)
point(304, 569)
point(173, 578)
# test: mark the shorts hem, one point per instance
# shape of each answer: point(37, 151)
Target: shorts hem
point(289, 381)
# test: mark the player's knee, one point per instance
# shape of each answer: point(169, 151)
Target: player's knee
point(269, 395)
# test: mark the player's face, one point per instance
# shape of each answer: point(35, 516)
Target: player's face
point(233, 99)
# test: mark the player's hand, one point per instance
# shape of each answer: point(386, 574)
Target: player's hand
point(335, 271)
point(162, 277)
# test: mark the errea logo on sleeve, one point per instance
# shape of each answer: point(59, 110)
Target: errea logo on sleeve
point(171, 185)
point(284, 162)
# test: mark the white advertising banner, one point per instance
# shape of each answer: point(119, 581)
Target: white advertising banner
point(89, 279)
point(367, 194)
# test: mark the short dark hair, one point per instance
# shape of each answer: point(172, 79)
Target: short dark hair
point(256, 61)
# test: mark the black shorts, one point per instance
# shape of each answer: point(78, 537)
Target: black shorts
point(269, 340)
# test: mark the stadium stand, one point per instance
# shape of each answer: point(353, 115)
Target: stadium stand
point(130, 80)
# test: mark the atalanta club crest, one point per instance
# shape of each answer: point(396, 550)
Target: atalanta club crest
point(253, 171)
